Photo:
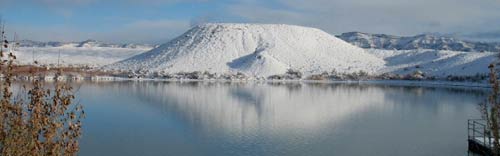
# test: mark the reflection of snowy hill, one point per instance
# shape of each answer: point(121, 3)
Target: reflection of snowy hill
point(245, 107)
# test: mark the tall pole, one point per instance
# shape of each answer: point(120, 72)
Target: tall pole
point(33, 55)
point(2, 28)
point(16, 43)
point(58, 58)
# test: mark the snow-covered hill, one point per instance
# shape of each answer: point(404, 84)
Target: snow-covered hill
point(80, 56)
point(424, 41)
point(85, 44)
point(438, 63)
point(254, 49)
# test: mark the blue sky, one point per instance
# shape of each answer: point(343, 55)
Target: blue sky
point(154, 21)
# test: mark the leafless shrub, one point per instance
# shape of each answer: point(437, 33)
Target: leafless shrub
point(289, 75)
point(39, 121)
point(490, 109)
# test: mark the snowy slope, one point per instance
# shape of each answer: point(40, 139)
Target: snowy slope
point(437, 63)
point(87, 44)
point(423, 41)
point(92, 56)
point(254, 49)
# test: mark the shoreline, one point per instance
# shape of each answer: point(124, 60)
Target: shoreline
point(75, 74)
point(416, 83)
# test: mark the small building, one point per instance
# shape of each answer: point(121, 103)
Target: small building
point(102, 78)
point(76, 77)
point(49, 77)
point(24, 78)
point(61, 78)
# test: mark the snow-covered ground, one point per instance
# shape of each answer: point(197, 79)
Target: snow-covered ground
point(437, 63)
point(261, 50)
point(90, 56)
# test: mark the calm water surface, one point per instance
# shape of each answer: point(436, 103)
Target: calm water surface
point(226, 119)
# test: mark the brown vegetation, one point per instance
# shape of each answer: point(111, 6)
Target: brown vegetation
point(491, 110)
point(38, 121)
point(26, 70)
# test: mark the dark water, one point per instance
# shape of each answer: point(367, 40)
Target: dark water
point(226, 119)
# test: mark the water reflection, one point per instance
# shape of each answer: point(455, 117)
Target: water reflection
point(243, 107)
point(291, 118)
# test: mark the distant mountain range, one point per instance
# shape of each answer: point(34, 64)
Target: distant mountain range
point(84, 44)
point(424, 41)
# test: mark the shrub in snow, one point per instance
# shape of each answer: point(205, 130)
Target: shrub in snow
point(476, 78)
point(189, 75)
point(194, 75)
point(431, 78)
point(206, 75)
point(294, 74)
point(240, 76)
point(479, 77)
point(333, 72)
point(317, 77)
point(389, 76)
point(226, 76)
point(416, 75)
point(230, 76)
point(275, 77)
point(168, 76)
point(157, 74)
point(322, 76)
point(455, 78)
point(289, 75)
point(360, 75)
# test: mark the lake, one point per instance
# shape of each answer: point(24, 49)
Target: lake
point(314, 119)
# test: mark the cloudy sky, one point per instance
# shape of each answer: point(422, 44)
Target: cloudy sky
point(154, 21)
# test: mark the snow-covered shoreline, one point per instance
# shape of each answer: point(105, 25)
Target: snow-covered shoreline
point(416, 83)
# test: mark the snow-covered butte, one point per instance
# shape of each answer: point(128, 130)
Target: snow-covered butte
point(254, 49)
